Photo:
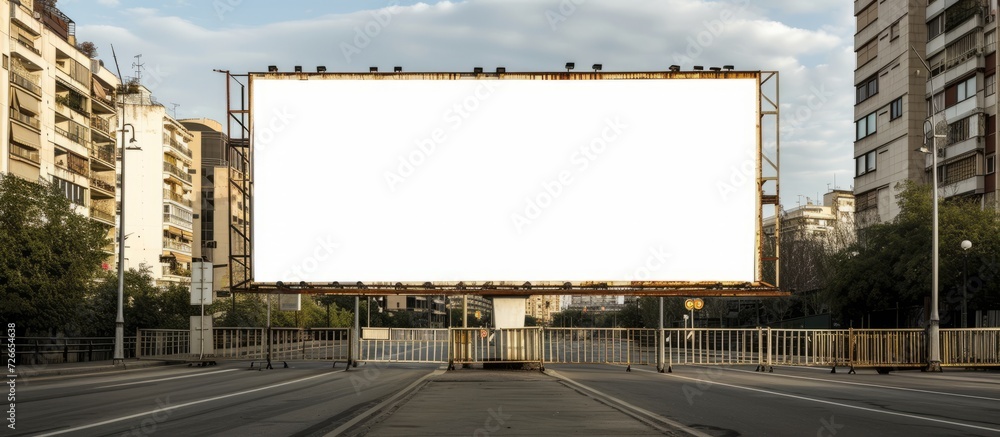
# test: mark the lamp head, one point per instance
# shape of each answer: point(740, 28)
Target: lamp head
point(966, 245)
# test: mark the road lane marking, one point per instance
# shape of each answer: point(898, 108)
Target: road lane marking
point(634, 408)
point(166, 379)
point(821, 401)
point(381, 405)
point(175, 407)
point(868, 385)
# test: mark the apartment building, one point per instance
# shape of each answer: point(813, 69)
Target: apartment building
point(542, 308)
point(59, 124)
point(158, 170)
point(210, 196)
point(833, 220)
point(899, 98)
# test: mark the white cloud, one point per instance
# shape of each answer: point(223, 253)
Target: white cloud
point(111, 3)
point(451, 36)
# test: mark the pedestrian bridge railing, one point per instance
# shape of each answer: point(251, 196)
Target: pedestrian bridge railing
point(762, 347)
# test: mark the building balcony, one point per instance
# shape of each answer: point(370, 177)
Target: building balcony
point(78, 139)
point(972, 185)
point(174, 171)
point(176, 220)
point(102, 126)
point(102, 105)
point(177, 149)
point(102, 184)
point(102, 156)
point(102, 216)
point(26, 82)
point(176, 271)
point(30, 57)
point(28, 120)
point(25, 18)
point(176, 198)
point(25, 154)
point(179, 246)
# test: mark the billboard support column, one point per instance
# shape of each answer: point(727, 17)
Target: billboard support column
point(355, 337)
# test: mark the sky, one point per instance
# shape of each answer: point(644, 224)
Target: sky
point(810, 44)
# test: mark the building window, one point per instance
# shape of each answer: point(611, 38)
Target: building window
point(959, 13)
point(894, 31)
point(896, 108)
point(865, 163)
point(935, 27)
point(959, 171)
point(867, 16)
point(73, 192)
point(966, 89)
point(868, 52)
point(958, 131)
point(991, 84)
point(865, 126)
point(990, 42)
point(867, 88)
point(991, 164)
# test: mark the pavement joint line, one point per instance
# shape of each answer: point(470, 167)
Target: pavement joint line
point(175, 407)
point(821, 401)
point(867, 385)
point(634, 409)
point(357, 419)
point(166, 379)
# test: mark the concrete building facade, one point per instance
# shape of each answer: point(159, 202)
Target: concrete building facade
point(158, 176)
point(896, 93)
point(59, 125)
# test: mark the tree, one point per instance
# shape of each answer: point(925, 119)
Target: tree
point(889, 266)
point(50, 257)
point(144, 306)
point(88, 48)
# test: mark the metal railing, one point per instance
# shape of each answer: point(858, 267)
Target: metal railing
point(22, 152)
point(398, 345)
point(27, 45)
point(79, 139)
point(310, 344)
point(600, 345)
point(171, 195)
point(482, 345)
point(724, 346)
point(176, 245)
point(154, 343)
point(26, 83)
point(177, 220)
point(971, 347)
point(176, 145)
point(101, 125)
point(102, 215)
point(174, 170)
point(26, 119)
point(58, 350)
point(104, 153)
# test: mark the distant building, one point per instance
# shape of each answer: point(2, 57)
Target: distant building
point(158, 177)
point(480, 307)
point(428, 311)
point(59, 124)
point(211, 202)
point(542, 308)
point(895, 94)
point(832, 221)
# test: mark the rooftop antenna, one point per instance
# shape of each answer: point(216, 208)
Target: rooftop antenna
point(138, 65)
point(174, 109)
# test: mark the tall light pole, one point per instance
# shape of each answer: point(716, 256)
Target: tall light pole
point(934, 327)
point(119, 357)
point(966, 245)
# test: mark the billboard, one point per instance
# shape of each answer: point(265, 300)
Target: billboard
point(410, 178)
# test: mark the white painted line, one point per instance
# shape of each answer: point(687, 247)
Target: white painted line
point(382, 404)
point(646, 412)
point(821, 401)
point(166, 379)
point(175, 407)
point(942, 393)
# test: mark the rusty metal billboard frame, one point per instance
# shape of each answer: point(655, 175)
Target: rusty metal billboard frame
point(239, 127)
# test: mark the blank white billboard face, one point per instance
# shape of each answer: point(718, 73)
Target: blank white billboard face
point(504, 180)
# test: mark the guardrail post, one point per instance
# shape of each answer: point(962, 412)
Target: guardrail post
point(90, 350)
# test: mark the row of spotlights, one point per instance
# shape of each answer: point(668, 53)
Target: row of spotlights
point(501, 70)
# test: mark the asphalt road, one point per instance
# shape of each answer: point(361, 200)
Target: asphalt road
point(312, 399)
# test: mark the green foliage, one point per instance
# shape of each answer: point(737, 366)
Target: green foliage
point(144, 305)
point(49, 257)
point(890, 264)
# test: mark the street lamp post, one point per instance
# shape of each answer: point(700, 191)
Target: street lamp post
point(966, 245)
point(119, 354)
point(934, 325)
